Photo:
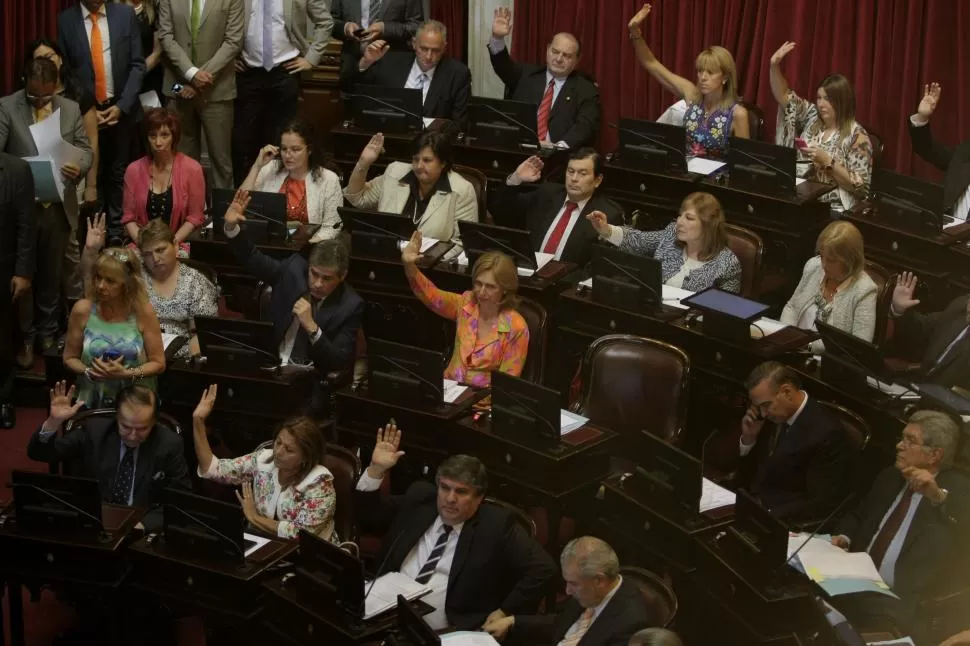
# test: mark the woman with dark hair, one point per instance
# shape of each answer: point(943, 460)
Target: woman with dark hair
point(428, 191)
point(146, 13)
point(164, 183)
point(295, 168)
point(833, 146)
point(285, 488)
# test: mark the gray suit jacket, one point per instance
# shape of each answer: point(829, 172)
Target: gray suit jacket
point(16, 117)
point(295, 14)
point(220, 37)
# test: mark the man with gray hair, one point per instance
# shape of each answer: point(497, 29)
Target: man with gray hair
point(914, 518)
point(603, 609)
point(445, 82)
point(478, 561)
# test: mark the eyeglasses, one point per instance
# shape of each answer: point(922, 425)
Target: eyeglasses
point(47, 98)
point(908, 441)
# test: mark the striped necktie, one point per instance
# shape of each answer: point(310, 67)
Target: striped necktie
point(439, 549)
point(545, 107)
point(374, 15)
point(585, 621)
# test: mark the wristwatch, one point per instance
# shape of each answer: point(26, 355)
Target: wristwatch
point(945, 492)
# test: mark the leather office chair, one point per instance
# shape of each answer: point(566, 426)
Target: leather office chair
point(332, 165)
point(659, 597)
point(537, 318)
point(749, 248)
point(522, 518)
point(877, 147)
point(884, 298)
point(632, 384)
point(480, 183)
point(856, 429)
point(756, 120)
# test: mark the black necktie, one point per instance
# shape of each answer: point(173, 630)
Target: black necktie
point(782, 428)
point(439, 549)
point(121, 488)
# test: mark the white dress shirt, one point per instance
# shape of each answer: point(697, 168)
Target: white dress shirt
point(109, 81)
point(573, 219)
point(596, 611)
point(365, 13)
point(961, 210)
point(283, 49)
point(887, 570)
point(746, 448)
point(415, 81)
point(411, 566)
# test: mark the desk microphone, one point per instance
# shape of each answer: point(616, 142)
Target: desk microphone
point(512, 119)
point(387, 104)
point(652, 140)
point(819, 527)
point(380, 568)
point(761, 162)
point(103, 535)
point(195, 519)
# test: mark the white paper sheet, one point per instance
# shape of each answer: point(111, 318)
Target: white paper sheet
point(670, 295)
point(893, 390)
point(955, 223)
point(382, 595)
point(714, 496)
point(149, 99)
point(768, 327)
point(703, 166)
point(800, 180)
point(426, 243)
point(258, 540)
point(542, 259)
point(167, 339)
point(837, 564)
point(904, 641)
point(569, 422)
point(452, 391)
point(468, 638)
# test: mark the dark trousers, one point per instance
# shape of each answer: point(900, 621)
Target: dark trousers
point(38, 308)
point(115, 151)
point(6, 336)
point(265, 103)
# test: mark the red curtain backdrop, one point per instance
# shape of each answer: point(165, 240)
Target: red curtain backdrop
point(455, 16)
point(888, 48)
point(21, 21)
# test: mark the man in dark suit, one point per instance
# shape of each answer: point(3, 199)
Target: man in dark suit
point(315, 314)
point(113, 75)
point(603, 609)
point(478, 561)
point(357, 23)
point(445, 82)
point(554, 214)
point(133, 459)
point(913, 522)
point(940, 339)
point(955, 162)
point(17, 257)
point(796, 464)
point(568, 104)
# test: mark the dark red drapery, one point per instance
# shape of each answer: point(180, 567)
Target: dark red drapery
point(21, 21)
point(454, 14)
point(889, 48)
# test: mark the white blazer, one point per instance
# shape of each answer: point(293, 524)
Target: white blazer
point(323, 196)
point(389, 193)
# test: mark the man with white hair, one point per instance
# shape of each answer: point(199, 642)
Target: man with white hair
point(603, 608)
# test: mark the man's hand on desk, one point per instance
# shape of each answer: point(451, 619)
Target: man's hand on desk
point(303, 311)
point(903, 293)
point(499, 628)
point(751, 425)
point(385, 454)
point(528, 171)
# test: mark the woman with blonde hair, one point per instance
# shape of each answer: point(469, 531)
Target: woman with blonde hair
point(113, 335)
point(489, 333)
point(693, 249)
point(835, 287)
point(835, 148)
point(713, 112)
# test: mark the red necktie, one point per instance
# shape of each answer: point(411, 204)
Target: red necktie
point(544, 109)
point(890, 528)
point(557, 232)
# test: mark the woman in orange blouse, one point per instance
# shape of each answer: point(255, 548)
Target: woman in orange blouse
point(489, 334)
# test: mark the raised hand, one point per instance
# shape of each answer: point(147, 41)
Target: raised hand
point(412, 250)
point(634, 24)
point(903, 292)
point(373, 149)
point(385, 454)
point(208, 401)
point(599, 221)
point(61, 407)
point(97, 231)
point(782, 52)
point(235, 213)
point(375, 52)
point(502, 22)
point(530, 170)
point(931, 98)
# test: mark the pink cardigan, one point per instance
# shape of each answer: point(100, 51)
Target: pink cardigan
point(188, 192)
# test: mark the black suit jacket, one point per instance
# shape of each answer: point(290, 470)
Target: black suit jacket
point(95, 451)
point(17, 224)
point(955, 162)
point(496, 565)
point(625, 614)
point(929, 335)
point(575, 116)
point(401, 21)
point(535, 207)
point(449, 91)
point(804, 478)
point(339, 316)
point(936, 541)
point(127, 59)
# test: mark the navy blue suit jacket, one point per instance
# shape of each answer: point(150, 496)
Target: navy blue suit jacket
point(127, 59)
point(339, 316)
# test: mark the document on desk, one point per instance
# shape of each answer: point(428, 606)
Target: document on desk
point(382, 593)
point(800, 180)
point(253, 543)
point(894, 390)
point(167, 339)
point(452, 390)
point(714, 496)
point(835, 570)
point(569, 422)
point(703, 166)
point(426, 243)
point(764, 327)
point(904, 641)
point(468, 638)
point(48, 185)
point(670, 295)
point(542, 259)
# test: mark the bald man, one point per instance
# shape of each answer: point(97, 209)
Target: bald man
point(603, 609)
point(567, 102)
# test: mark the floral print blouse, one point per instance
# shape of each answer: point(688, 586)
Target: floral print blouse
point(798, 118)
point(477, 352)
point(310, 505)
point(707, 135)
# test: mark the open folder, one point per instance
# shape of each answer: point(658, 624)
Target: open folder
point(381, 594)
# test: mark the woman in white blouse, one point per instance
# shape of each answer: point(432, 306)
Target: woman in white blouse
point(295, 169)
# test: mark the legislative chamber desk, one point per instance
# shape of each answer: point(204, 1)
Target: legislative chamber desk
point(32, 557)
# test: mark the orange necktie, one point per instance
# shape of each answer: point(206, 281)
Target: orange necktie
point(97, 59)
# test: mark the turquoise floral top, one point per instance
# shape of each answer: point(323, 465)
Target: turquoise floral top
point(707, 136)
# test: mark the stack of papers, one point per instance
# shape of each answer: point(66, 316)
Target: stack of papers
point(714, 496)
point(53, 153)
point(452, 391)
point(542, 259)
point(569, 422)
point(893, 390)
point(835, 570)
point(468, 638)
point(382, 593)
point(703, 166)
point(167, 339)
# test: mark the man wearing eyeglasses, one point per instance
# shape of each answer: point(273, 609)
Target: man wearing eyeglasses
point(39, 318)
point(794, 452)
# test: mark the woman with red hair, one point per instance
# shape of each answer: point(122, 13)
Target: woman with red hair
point(164, 183)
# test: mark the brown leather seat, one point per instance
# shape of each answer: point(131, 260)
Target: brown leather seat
point(756, 120)
point(345, 467)
point(749, 248)
point(332, 165)
point(659, 597)
point(633, 384)
point(480, 183)
point(520, 516)
point(857, 430)
point(537, 318)
point(877, 146)
point(885, 282)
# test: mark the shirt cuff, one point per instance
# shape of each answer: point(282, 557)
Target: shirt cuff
point(231, 230)
point(744, 449)
point(190, 74)
point(367, 483)
point(513, 180)
point(918, 120)
point(45, 435)
point(496, 45)
point(211, 471)
point(316, 335)
point(616, 235)
point(562, 145)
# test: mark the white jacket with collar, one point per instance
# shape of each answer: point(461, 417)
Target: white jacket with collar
point(323, 196)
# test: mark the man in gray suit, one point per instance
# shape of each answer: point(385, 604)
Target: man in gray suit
point(201, 39)
point(39, 317)
point(360, 22)
point(268, 82)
